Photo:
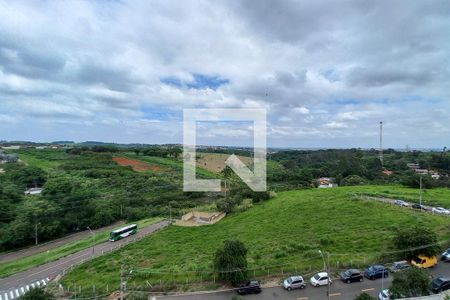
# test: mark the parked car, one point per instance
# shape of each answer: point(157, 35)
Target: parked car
point(418, 206)
point(401, 203)
point(384, 295)
point(440, 210)
point(399, 265)
point(424, 262)
point(446, 255)
point(320, 279)
point(294, 282)
point(251, 287)
point(376, 271)
point(440, 284)
point(352, 275)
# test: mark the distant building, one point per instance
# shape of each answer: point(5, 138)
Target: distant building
point(413, 166)
point(435, 176)
point(13, 147)
point(326, 182)
point(33, 191)
point(422, 171)
point(388, 172)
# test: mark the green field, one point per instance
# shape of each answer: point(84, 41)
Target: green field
point(29, 262)
point(284, 233)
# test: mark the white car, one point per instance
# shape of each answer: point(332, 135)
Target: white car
point(401, 203)
point(384, 295)
point(320, 279)
point(440, 210)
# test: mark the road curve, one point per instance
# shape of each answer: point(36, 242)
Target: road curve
point(60, 266)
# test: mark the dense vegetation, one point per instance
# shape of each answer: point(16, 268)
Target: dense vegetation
point(87, 177)
point(83, 187)
point(355, 167)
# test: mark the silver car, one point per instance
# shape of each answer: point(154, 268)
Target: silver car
point(294, 282)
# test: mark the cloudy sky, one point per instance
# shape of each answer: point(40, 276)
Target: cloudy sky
point(326, 71)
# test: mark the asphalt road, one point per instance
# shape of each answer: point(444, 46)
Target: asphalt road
point(54, 268)
point(10, 256)
point(339, 290)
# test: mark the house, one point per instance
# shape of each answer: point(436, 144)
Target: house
point(326, 182)
point(422, 171)
point(413, 166)
point(33, 191)
point(435, 175)
point(388, 172)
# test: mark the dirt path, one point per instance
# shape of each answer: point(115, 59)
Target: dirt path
point(10, 256)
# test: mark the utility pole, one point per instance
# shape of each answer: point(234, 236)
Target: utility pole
point(36, 232)
point(93, 240)
point(420, 197)
point(326, 268)
point(381, 144)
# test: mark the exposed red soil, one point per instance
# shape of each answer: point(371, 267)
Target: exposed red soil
point(137, 165)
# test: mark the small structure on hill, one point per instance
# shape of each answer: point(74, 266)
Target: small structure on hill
point(326, 182)
point(198, 218)
point(33, 191)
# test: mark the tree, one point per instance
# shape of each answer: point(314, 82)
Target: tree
point(364, 296)
point(412, 282)
point(416, 240)
point(353, 180)
point(37, 294)
point(230, 262)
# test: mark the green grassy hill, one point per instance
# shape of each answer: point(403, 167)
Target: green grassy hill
point(284, 233)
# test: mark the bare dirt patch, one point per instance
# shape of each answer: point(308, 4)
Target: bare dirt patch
point(137, 165)
point(215, 162)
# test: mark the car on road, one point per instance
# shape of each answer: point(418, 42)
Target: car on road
point(352, 275)
point(440, 210)
point(446, 255)
point(376, 271)
point(401, 203)
point(294, 282)
point(251, 287)
point(424, 262)
point(320, 279)
point(440, 284)
point(384, 295)
point(399, 265)
point(419, 206)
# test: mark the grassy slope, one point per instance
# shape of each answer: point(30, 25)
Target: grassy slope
point(29, 262)
point(286, 230)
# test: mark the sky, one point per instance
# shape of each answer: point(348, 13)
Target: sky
point(327, 72)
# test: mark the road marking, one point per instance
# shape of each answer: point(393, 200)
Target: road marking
point(303, 298)
point(366, 290)
point(335, 294)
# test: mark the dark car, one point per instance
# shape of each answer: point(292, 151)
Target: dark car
point(252, 287)
point(399, 265)
point(440, 284)
point(446, 255)
point(418, 206)
point(351, 275)
point(376, 271)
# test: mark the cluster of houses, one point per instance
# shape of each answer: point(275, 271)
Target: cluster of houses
point(8, 158)
point(416, 168)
